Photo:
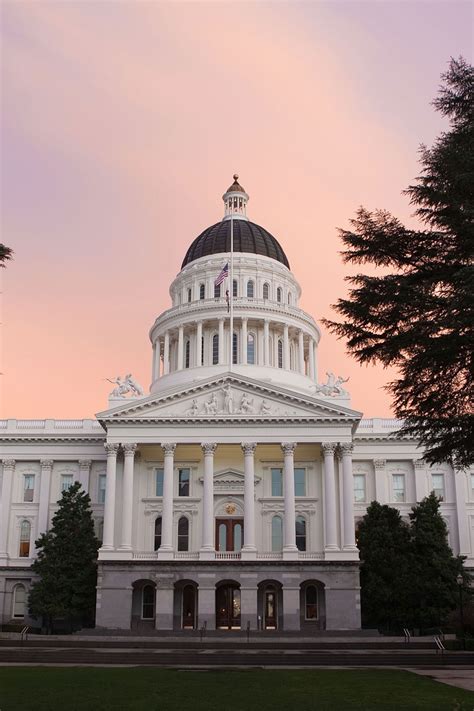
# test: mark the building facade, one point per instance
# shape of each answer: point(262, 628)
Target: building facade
point(229, 495)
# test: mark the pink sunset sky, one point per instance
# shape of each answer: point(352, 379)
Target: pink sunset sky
point(122, 124)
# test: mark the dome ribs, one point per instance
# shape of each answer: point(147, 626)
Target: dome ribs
point(248, 238)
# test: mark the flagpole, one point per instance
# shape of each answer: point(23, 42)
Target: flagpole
point(231, 291)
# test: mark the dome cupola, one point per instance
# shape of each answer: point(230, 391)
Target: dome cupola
point(235, 201)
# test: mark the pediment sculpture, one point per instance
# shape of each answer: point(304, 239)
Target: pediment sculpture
point(230, 402)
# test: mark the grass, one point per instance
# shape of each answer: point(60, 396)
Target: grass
point(149, 689)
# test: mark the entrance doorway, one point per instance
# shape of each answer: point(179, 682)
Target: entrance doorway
point(188, 616)
point(270, 614)
point(228, 607)
point(229, 534)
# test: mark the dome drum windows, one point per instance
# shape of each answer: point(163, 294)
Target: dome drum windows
point(250, 289)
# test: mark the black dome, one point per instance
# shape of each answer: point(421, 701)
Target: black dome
point(248, 237)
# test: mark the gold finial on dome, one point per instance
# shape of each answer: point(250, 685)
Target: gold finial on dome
point(236, 176)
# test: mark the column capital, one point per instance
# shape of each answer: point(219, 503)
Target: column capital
point(288, 447)
point(84, 464)
point(111, 449)
point(129, 449)
point(248, 448)
point(379, 463)
point(328, 448)
point(168, 448)
point(48, 463)
point(8, 463)
point(346, 449)
point(208, 448)
point(419, 463)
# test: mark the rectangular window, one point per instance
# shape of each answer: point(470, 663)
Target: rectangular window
point(102, 485)
point(359, 487)
point(277, 482)
point(28, 487)
point(217, 291)
point(438, 485)
point(184, 476)
point(398, 487)
point(300, 482)
point(66, 482)
point(159, 475)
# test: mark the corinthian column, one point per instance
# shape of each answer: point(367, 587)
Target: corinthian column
point(289, 527)
point(109, 507)
point(181, 348)
point(45, 483)
point(127, 496)
point(286, 347)
point(166, 354)
point(198, 344)
point(301, 352)
point(348, 496)
point(8, 469)
point(329, 496)
point(249, 549)
point(207, 544)
point(165, 551)
point(266, 343)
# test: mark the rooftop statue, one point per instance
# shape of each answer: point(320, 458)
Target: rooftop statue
point(125, 386)
point(333, 386)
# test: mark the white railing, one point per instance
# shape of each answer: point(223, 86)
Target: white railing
point(306, 555)
point(377, 424)
point(186, 555)
point(149, 555)
point(269, 556)
point(227, 556)
point(50, 425)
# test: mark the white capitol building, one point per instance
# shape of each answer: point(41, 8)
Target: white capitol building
point(228, 495)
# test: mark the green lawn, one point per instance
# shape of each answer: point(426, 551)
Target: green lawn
point(147, 689)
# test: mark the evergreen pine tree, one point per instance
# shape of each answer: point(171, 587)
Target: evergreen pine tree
point(418, 316)
point(383, 539)
point(433, 588)
point(66, 563)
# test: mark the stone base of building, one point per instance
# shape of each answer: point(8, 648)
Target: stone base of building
point(287, 596)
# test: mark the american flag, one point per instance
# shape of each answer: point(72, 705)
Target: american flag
point(223, 275)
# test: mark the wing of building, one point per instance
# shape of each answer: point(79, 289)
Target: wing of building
point(228, 495)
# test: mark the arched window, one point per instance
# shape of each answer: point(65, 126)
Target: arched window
point(187, 353)
point(300, 533)
point(250, 289)
point(290, 298)
point(25, 535)
point(215, 349)
point(277, 534)
point(183, 534)
point(189, 606)
point(311, 603)
point(280, 353)
point(217, 291)
point(237, 537)
point(251, 349)
point(279, 294)
point(235, 344)
point(266, 290)
point(157, 542)
point(235, 288)
point(202, 291)
point(19, 601)
point(190, 295)
point(148, 602)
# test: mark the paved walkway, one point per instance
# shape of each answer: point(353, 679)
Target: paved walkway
point(463, 678)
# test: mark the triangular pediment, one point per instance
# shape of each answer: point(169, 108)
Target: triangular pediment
point(228, 398)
